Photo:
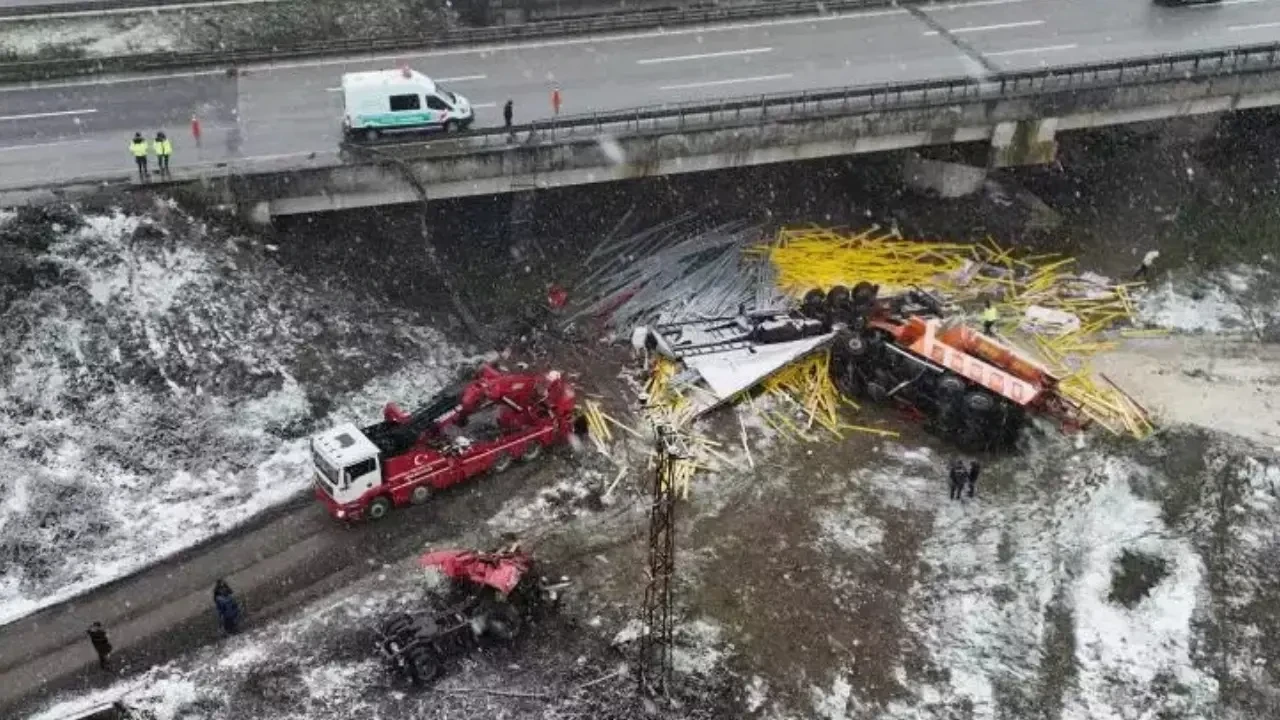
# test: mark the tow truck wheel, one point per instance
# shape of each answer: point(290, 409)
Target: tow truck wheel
point(371, 135)
point(531, 451)
point(420, 495)
point(378, 508)
point(502, 463)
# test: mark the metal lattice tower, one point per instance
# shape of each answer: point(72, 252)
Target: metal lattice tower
point(656, 640)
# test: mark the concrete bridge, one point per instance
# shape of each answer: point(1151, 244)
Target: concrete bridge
point(1018, 115)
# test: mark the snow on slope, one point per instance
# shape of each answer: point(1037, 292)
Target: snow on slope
point(1017, 600)
point(158, 381)
point(1241, 299)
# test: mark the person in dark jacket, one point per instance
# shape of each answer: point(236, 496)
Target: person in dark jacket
point(508, 110)
point(224, 601)
point(101, 645)
point(959, 476)
point(974, 469)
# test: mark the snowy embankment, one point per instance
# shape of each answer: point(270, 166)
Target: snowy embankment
point(214, 28)
point(1027, 598)
point(157, 382)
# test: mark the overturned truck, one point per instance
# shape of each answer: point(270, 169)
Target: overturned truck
point(966, 386)
point(490, 598)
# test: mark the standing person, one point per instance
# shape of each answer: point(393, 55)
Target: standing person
point(224, 601)
point(195, 129)
point(1144, 270)
point(508, 110)
point(974, 469)
point(555, 100)
point(101, 645)
point(164, 149)
point(958, 478)
point(138, 147)
point(989, 317)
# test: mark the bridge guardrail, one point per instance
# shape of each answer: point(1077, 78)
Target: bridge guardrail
point(26, 71)
point(866, 98)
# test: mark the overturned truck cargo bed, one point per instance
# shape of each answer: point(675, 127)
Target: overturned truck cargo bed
point(966, 386)
point(723, 357)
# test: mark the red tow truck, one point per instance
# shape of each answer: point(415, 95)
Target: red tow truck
point(498, 417)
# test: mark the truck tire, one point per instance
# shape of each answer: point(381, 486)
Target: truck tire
point(502, 622)
point(532, 451)
point(423, 666)
point(501, 464)
point(448, 126)
point(371, 135)
point(399, 624)
point(379, 508)
point(950, 386)
point(420, 495)
point(854, 346)
point(812, 305)
point(838, 297)
point(978, 402)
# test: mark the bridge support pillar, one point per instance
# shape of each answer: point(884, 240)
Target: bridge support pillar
point(941, 177)
point(1024, 142)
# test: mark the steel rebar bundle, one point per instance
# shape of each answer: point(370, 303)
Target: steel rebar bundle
point(671, 272)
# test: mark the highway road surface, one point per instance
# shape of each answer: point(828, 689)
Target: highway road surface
point(59, 131)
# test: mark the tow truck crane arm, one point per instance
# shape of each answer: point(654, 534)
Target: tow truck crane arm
point(518, 391)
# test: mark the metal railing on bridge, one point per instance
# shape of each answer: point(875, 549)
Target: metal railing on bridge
point(855, 100)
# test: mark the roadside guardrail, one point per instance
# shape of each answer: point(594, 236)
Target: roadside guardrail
point(859, 99)
point(32, 70)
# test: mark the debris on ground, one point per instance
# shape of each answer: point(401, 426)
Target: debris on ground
point(732, 313)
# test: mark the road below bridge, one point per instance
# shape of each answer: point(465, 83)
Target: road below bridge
point(59, 131)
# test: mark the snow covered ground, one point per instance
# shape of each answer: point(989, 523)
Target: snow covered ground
point(1088, 580)
point(157, 382)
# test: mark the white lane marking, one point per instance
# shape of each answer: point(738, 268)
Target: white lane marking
point(111, 81)
point(974, 3)
point(59, 113)
point(460, 78)
point(733, 81)
point(483, 105)
point(132, 11)
point(1258, 26)
point(985, 28)
point(482, 50)
point(40, 146)
point(704, 56)
point(1207, 6)
point(1032, 51)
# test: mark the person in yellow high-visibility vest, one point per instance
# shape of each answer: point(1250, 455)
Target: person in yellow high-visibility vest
point(164, 149)
point(138, 148)
point(989, 317)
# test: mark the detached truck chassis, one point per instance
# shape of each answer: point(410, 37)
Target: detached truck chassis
point(490, 599)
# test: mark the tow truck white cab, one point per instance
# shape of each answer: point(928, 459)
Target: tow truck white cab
point(402, 100)
point(347, 463)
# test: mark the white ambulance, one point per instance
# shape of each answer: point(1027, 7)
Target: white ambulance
point(385, 101)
